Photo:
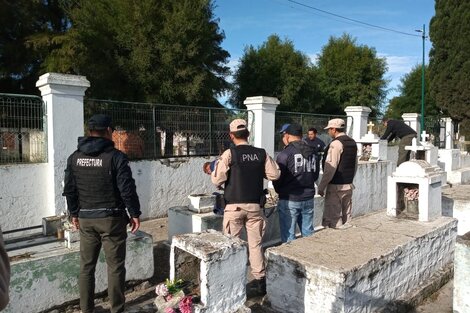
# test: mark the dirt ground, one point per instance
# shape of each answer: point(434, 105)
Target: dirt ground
point(140, 295)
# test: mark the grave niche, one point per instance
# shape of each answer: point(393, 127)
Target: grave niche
point(187, 268)
point(408, 200)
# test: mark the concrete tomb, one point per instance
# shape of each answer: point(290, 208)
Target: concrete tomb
point(462, 274)
point(201, 203)
point(415, 184)
point(216, 265)
point(370, 147)
point(381, 264)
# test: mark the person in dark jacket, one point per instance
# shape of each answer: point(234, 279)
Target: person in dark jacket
point(404, 132)
point(299, 164)
point(339, 168)
point(102, 199)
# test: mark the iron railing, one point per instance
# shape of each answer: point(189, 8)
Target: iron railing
point(22, 129)
point(306, 120)
point(153, 131)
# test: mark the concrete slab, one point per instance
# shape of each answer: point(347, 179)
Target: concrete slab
point(46, 276)
point(360, 269)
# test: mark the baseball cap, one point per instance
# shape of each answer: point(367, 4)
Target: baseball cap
point(336, 123)
point(294, 130)
point(284, 128)
point(238, 124)
point(99, 122)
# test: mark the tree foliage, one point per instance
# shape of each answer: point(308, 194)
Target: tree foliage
point(276, 69)
point(164, 51)
point(147, 50)
point(351, 74)
point(27, 32)
point(450, 58)
point(409, 100)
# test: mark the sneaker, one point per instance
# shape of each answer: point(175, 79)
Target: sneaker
point(344, 226)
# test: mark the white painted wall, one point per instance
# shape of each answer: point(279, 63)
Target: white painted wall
point(23, 196)
point(163, 184)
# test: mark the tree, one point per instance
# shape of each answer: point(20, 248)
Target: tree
point(276, 69)
point(409, 100)
point(147, 50)
point(27, 29)
point(351, 74)
point(449, 60)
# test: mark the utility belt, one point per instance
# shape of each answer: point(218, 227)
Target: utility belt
point(102, 212)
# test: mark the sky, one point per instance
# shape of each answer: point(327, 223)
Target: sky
point(251, 22)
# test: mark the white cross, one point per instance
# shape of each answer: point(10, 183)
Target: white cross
point(414, 149)
point(424, 136)
point(370, 125)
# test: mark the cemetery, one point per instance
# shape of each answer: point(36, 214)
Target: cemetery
point(410, 235)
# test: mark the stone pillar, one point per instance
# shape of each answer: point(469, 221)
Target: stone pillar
point(63, 95)
point(449, 133)
point(357, 121)
point(462, 274)
point(413, 120)
point(264, 109)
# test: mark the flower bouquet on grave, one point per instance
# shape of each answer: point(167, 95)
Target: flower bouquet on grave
point(411, 199)
point(171, 297)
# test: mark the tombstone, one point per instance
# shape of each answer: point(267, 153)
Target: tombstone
point(370, 147)
point(215, 264)
point(414, 191)
point(201, 203)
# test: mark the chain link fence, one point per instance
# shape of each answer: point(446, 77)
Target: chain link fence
point(306, 120)
point(153, 131)
point(22, 129)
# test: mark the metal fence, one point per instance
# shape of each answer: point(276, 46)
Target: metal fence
point(22, 129)
point(153, 131)
point(306, 120)
point(435, 126)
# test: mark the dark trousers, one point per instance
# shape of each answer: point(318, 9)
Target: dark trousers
point(111, 233)
point(404, 155)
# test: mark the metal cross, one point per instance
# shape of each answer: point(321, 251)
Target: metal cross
point(370, 125)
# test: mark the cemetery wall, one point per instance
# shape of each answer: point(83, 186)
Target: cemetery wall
point(23, 200)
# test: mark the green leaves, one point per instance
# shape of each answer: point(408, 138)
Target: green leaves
point(449, 61)
point(351, 74)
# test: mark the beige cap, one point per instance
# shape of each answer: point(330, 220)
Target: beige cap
point(336, 123)
point(238, 124)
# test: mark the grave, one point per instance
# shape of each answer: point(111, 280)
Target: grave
point(370, 147)
point(216, 265)
point(461, 299)
point(46, 275)
point(415, 183)
point(381, 264)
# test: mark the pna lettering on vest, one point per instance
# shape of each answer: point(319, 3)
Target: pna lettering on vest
point(90, 162)
point(249, 157)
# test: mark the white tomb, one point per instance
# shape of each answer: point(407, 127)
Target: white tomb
point(415, 183)
point(201, 203)
point(371, 147)
point(216, 264)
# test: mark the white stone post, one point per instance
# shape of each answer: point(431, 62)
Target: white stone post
point(264, 109)
point(449, 133)
point(63, 95)
point(357, 121)
point(413, 120)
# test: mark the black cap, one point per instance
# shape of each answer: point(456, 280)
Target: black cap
point(294, 130)
point(99, 122)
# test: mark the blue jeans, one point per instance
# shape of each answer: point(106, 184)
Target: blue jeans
point(292, 213)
